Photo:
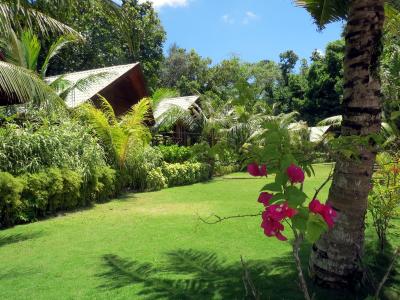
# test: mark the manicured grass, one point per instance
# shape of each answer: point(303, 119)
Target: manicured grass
point(153, 246)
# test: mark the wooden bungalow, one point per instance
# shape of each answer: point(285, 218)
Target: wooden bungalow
point(179, 133)
point(123, 86)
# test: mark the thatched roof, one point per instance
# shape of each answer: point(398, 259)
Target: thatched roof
point(107, 76)
point(184, 103)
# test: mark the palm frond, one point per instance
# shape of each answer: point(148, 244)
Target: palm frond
point(12, 49)
point(325, 11)
point(31, 49)
point(174, 115)
point(163, 93)
point(11, 14)
point(118, 137)
point(134, 122)
point(22, 85)
point(83, 84)
point(331, 121)
point(107, 109)
point(54, 50)
point(99, 122)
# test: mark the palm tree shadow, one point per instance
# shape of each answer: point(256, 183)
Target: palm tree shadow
point(17, 238)
point(192, 274)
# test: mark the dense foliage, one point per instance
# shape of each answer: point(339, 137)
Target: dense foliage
point(113, 36)
point(384, 200)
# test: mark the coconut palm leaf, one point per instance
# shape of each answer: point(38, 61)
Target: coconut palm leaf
point(163, 93)
point(176, 114)
point(65, 87)
point(55, 48)
point(331, 121)
point(328, 11)
point(17, 14)
point(31, 49)
point(20, 84)
point(325, 11)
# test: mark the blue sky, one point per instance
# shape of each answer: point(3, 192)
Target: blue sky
point(251, 29)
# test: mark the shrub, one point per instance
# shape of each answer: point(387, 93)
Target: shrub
point(139, 164)
point(34, 148)
point(202, 153)
point(10, 199)
point(155, 180)
point(174, 153)
point(220, 170)
point(50, 191)
point(184, 174)
point(106, 180)
point(384, 200)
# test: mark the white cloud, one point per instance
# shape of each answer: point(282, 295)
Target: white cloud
point(173, 3)
point(250, 16)
point(228, 19)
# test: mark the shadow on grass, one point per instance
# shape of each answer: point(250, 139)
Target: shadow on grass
point(17, 238)
point(376, 263)
point(192, 274)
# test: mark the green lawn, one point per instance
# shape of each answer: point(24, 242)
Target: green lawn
point(153, 246)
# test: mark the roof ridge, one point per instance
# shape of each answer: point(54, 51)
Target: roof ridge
point(104, 69)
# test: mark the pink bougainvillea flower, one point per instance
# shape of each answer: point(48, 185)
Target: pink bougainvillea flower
point(329, 215)
point(264, 198)
point(280, 236)
point(295, 174)
point(256, 170)
point(315, 206)
point(278, 212)
point(325, 210)
point(272, 228)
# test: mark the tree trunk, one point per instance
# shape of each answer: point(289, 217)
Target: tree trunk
point(335, 258)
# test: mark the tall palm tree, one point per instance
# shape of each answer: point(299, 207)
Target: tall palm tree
point(335, 258)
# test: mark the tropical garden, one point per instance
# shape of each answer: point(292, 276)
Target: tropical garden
point(97, 205)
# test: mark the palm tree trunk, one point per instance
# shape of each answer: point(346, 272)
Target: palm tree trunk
point(335, 258)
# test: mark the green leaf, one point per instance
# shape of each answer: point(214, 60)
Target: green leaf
point(286, 161)
point(295, 196)
point(271, 152)
point(315, 227)
point(395, 115)
point(277, 197)
point(281, 178)
point(299, 221)
point(273, 138)
point(272, 187)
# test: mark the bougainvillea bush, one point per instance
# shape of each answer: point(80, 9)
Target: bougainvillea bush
point(276, 150)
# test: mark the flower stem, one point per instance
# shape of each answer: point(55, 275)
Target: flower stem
point(296, 249)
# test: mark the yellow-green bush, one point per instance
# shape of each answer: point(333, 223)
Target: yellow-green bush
point(31, 196)
point(186, 173)
point(10, 199)
point(155, 180)
point(49, 191)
